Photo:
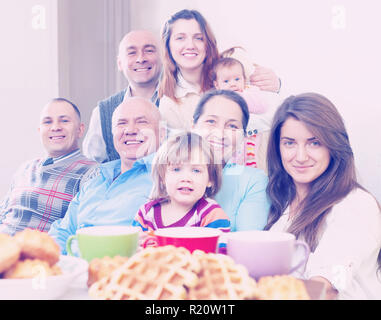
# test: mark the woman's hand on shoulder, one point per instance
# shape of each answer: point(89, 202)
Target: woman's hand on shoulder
point(265, 78)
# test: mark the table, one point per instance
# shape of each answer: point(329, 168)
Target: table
point(79, 290)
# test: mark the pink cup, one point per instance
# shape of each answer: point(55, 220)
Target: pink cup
point(266, 253)
point(191, 238)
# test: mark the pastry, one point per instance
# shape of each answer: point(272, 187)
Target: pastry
point(101, 267)
point(9, 252)
point(36, 244)
point(220, 278)
point(282, 288)
point(161, 273)
point(164, 273)
point(30, 269)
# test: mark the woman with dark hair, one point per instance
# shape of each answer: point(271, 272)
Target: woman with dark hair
point(221, 118)
point(315, 195)
point(190, 49)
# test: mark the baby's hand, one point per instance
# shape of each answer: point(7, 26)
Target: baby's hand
point(142, 238)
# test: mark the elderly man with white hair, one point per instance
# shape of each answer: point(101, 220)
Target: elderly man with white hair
point(119, 187)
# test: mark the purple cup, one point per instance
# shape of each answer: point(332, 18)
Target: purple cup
point(266, 253)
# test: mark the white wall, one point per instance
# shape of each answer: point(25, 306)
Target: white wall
point(53, 48)
point(89, 32)
point(28, 78)
point(328, 46)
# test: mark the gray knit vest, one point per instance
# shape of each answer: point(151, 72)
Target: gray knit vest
point(106, 109)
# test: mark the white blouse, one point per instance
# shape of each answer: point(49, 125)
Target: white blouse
point(347, 252)
point(180, 116)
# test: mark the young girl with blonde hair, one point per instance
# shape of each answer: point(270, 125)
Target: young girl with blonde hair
point(185, 178)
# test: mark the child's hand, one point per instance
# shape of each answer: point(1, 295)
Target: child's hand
point(142, 238)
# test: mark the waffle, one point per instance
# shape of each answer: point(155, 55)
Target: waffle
point(282, 288)
point(165, 273)
point(101, 267)
point(220, 278)
point(154, 273)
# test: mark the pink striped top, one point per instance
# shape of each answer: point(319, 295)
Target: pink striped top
point(205, 213)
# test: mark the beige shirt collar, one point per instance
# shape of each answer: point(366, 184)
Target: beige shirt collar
point(184, 88)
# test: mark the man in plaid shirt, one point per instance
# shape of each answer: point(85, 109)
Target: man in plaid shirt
point(42, 189)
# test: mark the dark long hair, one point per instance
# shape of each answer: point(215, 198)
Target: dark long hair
point(170, 70)
point(324, 121)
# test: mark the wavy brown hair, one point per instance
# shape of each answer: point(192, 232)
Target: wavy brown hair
point(339, 179)
point(170, 69)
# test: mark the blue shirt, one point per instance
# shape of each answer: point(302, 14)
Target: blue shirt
point(110, 198)
point(243, 197)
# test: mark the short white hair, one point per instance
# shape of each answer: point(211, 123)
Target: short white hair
point(130, 101)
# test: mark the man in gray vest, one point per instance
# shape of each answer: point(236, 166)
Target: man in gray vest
point(139, 61)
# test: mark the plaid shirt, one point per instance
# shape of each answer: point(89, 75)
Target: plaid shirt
point(41, 192)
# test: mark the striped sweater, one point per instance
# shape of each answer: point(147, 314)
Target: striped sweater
point(41, 192)
point(205, 213)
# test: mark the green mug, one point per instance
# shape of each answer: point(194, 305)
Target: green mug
point(101, 241)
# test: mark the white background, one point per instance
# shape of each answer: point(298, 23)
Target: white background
point(328, 46)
